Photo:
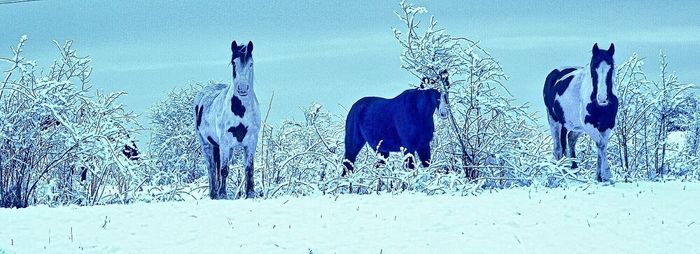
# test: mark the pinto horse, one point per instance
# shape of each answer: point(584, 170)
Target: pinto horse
point(388, 125)
point(581, 99)
point(227, 117)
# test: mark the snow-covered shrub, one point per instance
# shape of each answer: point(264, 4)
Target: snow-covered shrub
point(630, 142)
point(175, 152)
point(668, 95)
point(305, 157)
point(299, 157)
point(52, 130)
point(649, 112)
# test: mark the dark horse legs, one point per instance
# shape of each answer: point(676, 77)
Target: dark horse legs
point(409, 159)
point(382, 160)
point(351, 151)
point(249, 165)
point(424, 155)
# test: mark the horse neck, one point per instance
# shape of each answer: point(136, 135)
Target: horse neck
point(586, 83)
point(426, 98)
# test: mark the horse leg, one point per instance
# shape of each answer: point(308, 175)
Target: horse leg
point(249, 166)
point(603, 173)
point(383, 156)
point(222, 173)
point(83, 174)
point(562, 141)
point(212, 152)
point(424, 155)
point(353, 145)
point(556, 128)
point(409, 159)
point(572, 139)
point(208, 152)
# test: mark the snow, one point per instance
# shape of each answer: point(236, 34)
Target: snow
point(640, 217)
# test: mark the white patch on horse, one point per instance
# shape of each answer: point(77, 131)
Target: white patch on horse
point(602, 95)
point(570, 100)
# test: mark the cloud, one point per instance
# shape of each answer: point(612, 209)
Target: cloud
point(144, 57)
point(661, 35)
point(328, 48)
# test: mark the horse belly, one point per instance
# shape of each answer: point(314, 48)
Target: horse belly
point(384, 138)
point(572, 111)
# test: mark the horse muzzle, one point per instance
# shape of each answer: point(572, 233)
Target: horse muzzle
point(242, 90)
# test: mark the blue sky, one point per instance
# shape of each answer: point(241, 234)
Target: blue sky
point(335, 52)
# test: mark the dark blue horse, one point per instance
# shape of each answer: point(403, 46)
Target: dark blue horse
point(388, 125)
point(581, 99)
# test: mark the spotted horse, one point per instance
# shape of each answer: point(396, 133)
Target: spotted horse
point(581, 99)
point(227, 117)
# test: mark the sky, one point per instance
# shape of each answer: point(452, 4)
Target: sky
point(335, 52)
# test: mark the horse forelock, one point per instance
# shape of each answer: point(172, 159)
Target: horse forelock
point(241, 53)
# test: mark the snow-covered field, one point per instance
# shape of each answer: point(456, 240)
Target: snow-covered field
point(625, 218)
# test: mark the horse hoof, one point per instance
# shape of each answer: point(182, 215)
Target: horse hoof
point(250, 194)
point(213, 195)
point(605, 181)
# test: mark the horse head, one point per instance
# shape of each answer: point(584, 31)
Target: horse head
point(242, 61)
point(444, 92)
point(441, 85)
point(602, 72)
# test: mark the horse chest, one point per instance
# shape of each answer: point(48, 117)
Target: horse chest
point(235, 122)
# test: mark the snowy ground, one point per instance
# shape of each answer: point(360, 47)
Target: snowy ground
point(625, 218)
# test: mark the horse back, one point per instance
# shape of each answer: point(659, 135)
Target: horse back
point(396, 122)
point(204, 100)
point(372, 120)
point(556, 83)
point(206, 96)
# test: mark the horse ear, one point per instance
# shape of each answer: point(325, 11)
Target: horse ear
point(444, 77)
point(595, 48)
point(443, 74)
point(233, 45)
point(250, 47)
point(611, 50)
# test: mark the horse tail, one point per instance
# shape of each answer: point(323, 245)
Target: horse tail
point(547, 91)
point(198, 108)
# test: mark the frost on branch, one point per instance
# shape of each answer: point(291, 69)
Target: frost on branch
point(656, 129)
point(175, 152)
point(53, 130)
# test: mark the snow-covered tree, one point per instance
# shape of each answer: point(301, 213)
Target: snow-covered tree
point(650, 110)
point(52, 129)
